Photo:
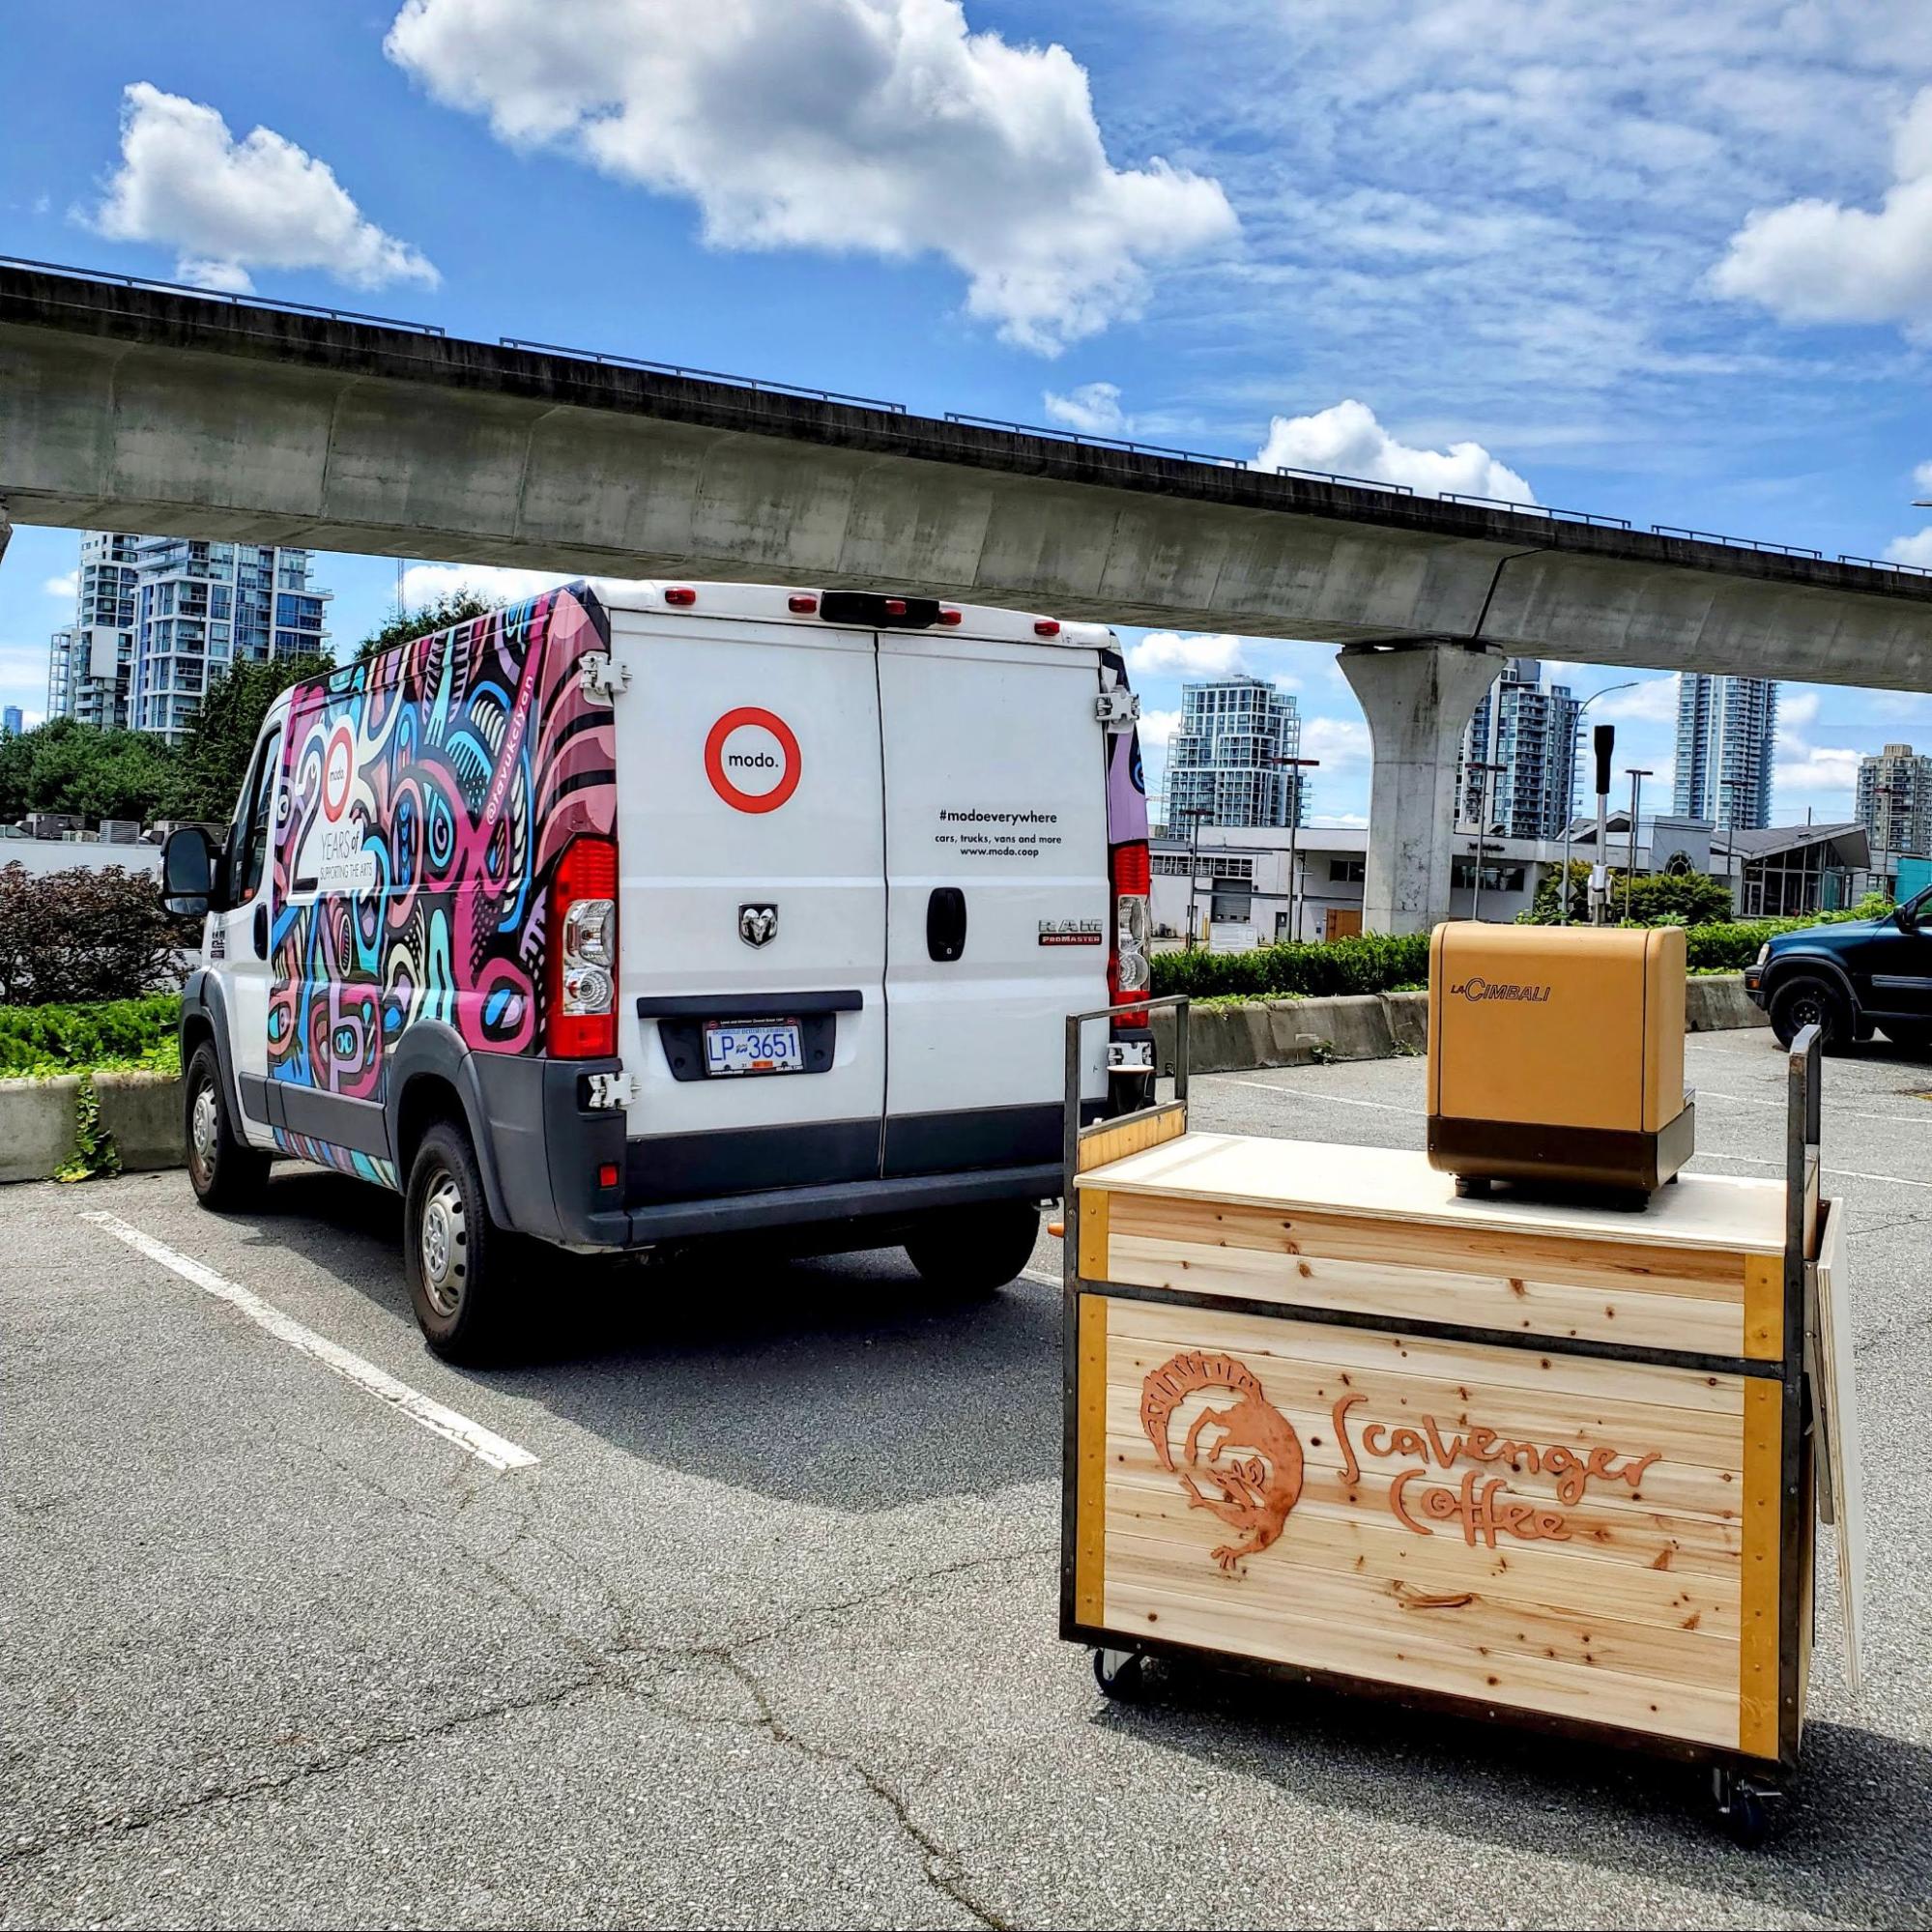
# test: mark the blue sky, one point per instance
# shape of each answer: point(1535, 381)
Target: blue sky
point(1671, 264)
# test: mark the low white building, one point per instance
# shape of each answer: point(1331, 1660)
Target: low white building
point(1231, 886)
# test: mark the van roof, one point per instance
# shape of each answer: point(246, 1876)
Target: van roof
point(771, 603)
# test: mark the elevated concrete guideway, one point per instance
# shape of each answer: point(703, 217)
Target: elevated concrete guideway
point(140, 408)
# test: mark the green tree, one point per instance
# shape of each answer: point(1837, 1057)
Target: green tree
point(65, 765)
point(406, 625)
point(1655, 898)
point(214, 757)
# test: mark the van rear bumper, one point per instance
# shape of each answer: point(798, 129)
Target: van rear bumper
point(871, 1202)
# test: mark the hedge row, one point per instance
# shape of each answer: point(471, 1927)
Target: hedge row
point(73, 1039)
point(1376, 962)
point(1370, 963)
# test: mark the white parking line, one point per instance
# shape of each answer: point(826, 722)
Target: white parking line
point(485, 1445)
point(1310, 1093)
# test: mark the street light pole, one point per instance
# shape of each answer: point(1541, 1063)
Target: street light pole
point(1194, 814)
point(1481, 827)
point(1569, 803)
point(1638, 776)
point(1295, 828)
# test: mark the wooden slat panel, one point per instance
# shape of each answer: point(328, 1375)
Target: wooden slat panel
point(1250, 1626)
point(1095, 1234)
point(1764, 1307)
point(1090, 1472)
point(1439, 1610)
point(1098, 1145)
point(1569, 1260)
point(1757, 1671)
point(1644, 1317)
point(1540, 1579)
point(1454, 1363)
point(1626, 1610)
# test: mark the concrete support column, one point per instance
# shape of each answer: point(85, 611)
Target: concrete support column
point(1418, 698)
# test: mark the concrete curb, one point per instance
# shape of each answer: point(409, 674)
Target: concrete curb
point(1376, 1026)
point(142, 1111)
point(37, 1118)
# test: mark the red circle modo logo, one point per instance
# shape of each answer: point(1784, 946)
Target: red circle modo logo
point(338, 763)
point(751, 756)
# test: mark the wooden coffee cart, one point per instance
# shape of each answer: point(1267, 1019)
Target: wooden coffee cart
point(1544, 1463)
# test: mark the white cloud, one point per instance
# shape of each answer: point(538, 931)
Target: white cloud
point(496, 583)
point(66, 588)
point(1335, 741)
point(1817, 260)
point(1795, 708)
point(1157, 729)
point(227, 206)
point(1093, 409)
point(1168, 653)
point(1346, 439)
point(1922, 476)
point(1808, 769)
point(882, 126)
point(1654, 700)
point(1914, 549)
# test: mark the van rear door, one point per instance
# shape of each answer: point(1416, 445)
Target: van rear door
point(751, 863)
point(997, 900)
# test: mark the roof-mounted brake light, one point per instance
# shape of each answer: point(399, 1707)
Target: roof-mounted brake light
point(1046, 626)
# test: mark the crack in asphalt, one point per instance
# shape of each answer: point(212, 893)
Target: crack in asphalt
point(941, 1867)
point(130, 1822)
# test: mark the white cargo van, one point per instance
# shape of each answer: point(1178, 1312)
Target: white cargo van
point(640, 913)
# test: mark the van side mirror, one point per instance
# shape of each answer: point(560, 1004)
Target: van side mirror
point(190, 874)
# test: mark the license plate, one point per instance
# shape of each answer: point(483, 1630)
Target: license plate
point(763, 1047)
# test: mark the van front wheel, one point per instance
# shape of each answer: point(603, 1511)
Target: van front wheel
point(452, 1249)
point(226, 1173)
point(974, 1250)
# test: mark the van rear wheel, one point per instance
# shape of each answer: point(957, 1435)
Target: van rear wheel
point(974, 1250)
point(452, 1250)
point(226, 1173)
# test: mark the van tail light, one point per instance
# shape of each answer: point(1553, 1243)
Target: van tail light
point(582, 924)
point(1129, 976)
point(681, 595)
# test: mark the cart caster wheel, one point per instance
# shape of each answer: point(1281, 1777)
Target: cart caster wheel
point(1744, 1806)
point(1473, 1187)
point(1120, 1673)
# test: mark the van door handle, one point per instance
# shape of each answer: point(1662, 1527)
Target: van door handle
point(946, 923)
point(261, 930)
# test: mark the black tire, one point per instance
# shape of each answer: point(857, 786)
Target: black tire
point(1802, 1002)
point(1120, 1673)
point(975, 1250)
point(453, 1253)
point(227, 1174)
point(1915, 1036)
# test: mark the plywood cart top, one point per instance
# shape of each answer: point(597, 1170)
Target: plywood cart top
point(1705, 1211)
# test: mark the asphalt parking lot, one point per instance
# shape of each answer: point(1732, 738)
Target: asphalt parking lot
point(765, 1631)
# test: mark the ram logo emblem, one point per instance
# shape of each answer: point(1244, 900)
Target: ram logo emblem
point(758, 925)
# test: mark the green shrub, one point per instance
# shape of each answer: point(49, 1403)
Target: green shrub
point(1366, 963)
point(71, 1039)
point(88, 934)
point(1654, 898)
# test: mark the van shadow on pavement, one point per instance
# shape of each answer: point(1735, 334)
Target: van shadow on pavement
point(1848, 1842)
point(844, 1382)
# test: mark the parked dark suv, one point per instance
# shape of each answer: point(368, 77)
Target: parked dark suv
point(1851, 978)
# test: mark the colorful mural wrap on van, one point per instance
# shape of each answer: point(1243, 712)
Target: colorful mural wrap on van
point(427, 794)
